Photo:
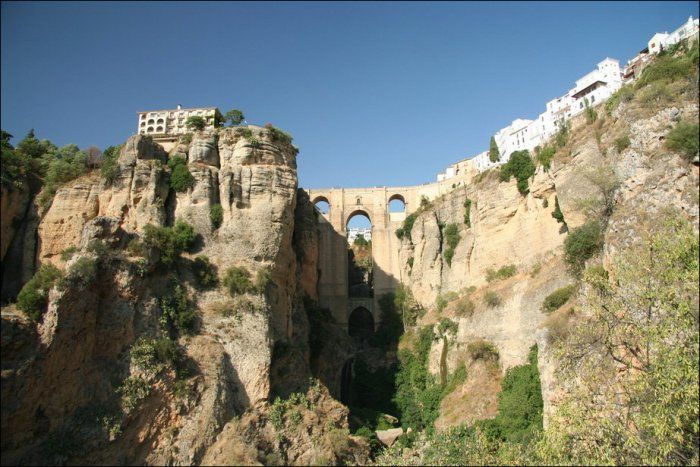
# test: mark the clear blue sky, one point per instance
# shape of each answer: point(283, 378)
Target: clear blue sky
point(374, 93)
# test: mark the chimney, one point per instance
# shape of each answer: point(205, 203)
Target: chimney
point(179, 107)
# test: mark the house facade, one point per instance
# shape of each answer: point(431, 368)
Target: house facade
point(166, 123)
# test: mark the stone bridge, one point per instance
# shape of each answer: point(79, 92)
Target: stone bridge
point(344, 204)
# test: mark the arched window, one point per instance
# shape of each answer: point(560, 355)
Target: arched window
point(143, 132)
point(160, 121)
point(159, 129)
point(143, 124)
point(150, 129)
point(397, 203)
point(151, 121)
point(322, 205)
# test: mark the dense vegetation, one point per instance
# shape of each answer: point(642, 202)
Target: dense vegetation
point(683, 138)
point(557, 298)
point(451, 239)
point(180, 178)
point(494, 153)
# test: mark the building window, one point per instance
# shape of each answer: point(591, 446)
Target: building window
point(160, 121)
point(592, 99)
point(143, 123)
point(150, 128)
point(159, 129)
point(151, 122)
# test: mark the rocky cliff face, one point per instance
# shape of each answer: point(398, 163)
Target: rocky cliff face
point(508, 228)
point(59, 379)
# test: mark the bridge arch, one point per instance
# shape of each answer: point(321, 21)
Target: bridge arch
point(396, 203)
point(322, 204)
point(357, 212)
point(361, 323)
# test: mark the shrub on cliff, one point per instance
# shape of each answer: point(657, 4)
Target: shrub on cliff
point(33, 297)
point(180, 178)
point(520, 166)
point(504, 272)
point(557, 214)
point(581, 244)
point(545, 157)
point(64, 165)
point(237, 280)
point(278, 135)
point(216, 215)
point(520, 404)
point(482, 350)
point(492, 299)
point(467, 212)
point(683, 138)
point(557, 298)
point(177, 311)
point(622, 143)
point(451, 237)
point(110, 169)
point(169, 242)
point(204, 272)
point(81, 273)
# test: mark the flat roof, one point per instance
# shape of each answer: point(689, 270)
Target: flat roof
point(178, 110)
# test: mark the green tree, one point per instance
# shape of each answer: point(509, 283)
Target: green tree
point(34, 296)
point(520, 166)
point(234, 116)
point(581, 244)
point(169, 242)
point(195, 122)
point(181, 179)
point(237, 280)
point(634, 358)
point(494, 154)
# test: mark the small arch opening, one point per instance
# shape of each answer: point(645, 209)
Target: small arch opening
point(151, 121)
point(361, 323)
point(322, 205)
point(159, 129)
point(397, 204)
point(150, 128)
point(160, 121)
point(360, 262)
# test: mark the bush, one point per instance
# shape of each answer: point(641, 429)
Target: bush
point(262, 279)
point(170, 242)
point(153, 355)
point(132, 391)
point(624, 94)
point(255, 143)
point(418, 394)
point(181, 179)
point(278, 135)
point(591, 114)
point(66, 164)
point(288, 411)
point(68, 253)
point(492, 299)
point(446, 326)
point(177, 311)
point(451, 237)
point(33, 297)
point(237, 280)
point(136, 247)
point(204, 272)
point(557, 214)
point(110, 169)
point(234, 116)
point(195, 123)
point(482, 350)
point(519, 405)
point(557, 298)
point(520, 166)
point(545, 156)
point(683, 139)
point(622, 143)
point(504, 272)
point(216, 215)
point(467, 212)
point(81, 273)
point(440, 303)
point(581, 244)
point(465, 307)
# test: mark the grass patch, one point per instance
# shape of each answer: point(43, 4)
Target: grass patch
point(504, 272)
point(683, 139)
point(558, 298)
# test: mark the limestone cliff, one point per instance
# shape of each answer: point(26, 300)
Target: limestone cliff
point(60, 375)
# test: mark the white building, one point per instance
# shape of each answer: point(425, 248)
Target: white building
point(663, 40)
point(172, 122)
point(354, 233)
